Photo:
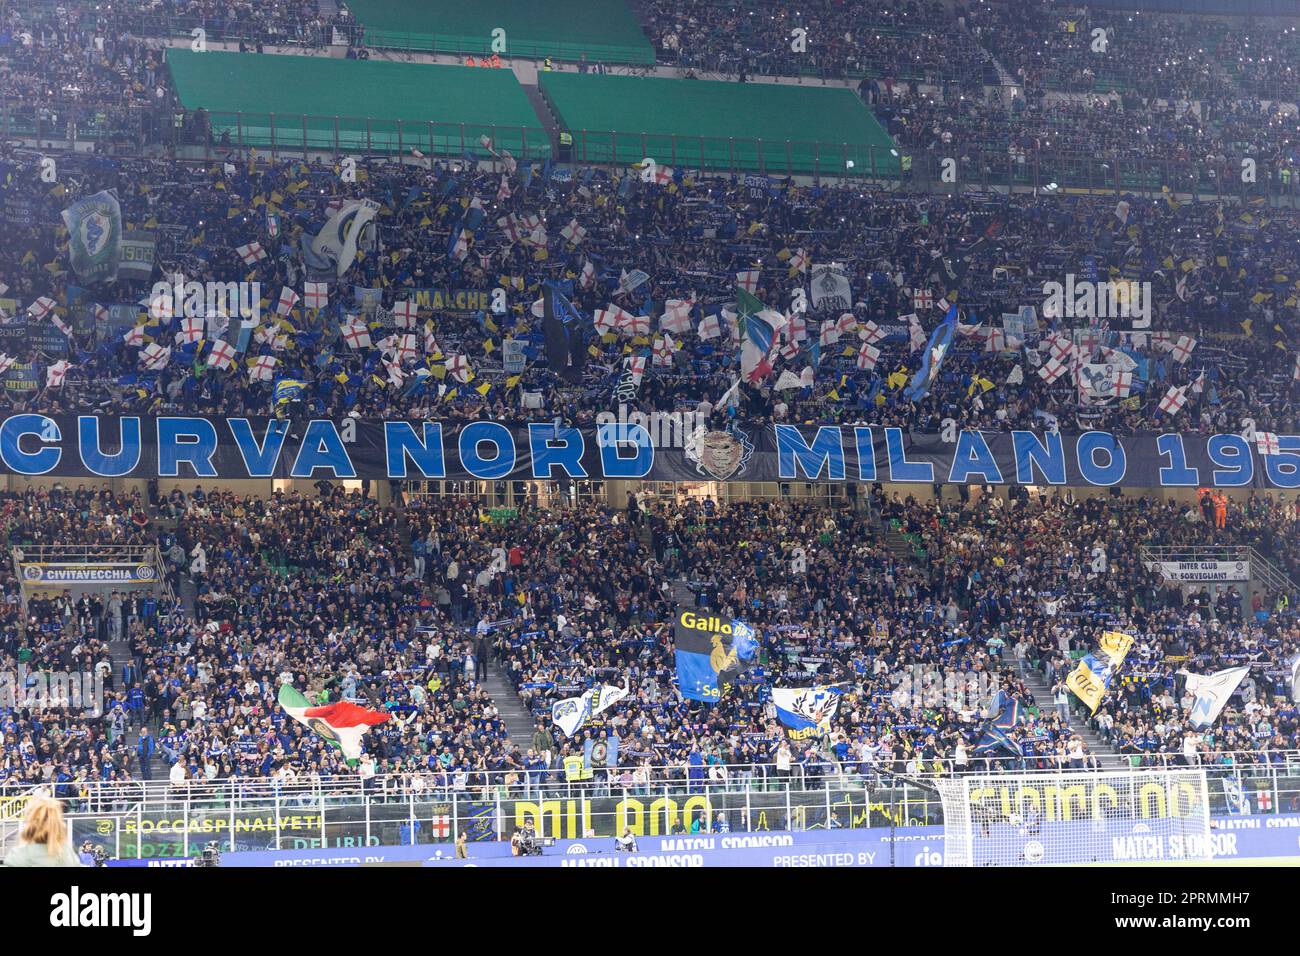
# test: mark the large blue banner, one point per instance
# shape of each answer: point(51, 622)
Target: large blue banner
point(91, 446)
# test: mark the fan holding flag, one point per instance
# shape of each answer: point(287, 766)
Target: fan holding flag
point(340, 724)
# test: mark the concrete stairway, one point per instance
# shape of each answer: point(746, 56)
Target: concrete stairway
point(516, 717)
point(548, 119)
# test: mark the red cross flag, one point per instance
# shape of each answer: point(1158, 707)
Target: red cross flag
point(253, 252)
point(503, 191)
point(846, 323)
point(573, 233)
point(994, 340)
point(677, 315)
point(262, 370)
point(356, 335)
point(458, 367)
point(405, 314)
point(510, 226)
point(1183, 348)
point(1174, 400)
point(1052, 370)
point(6, 363)
point(1296, 373)
point(868, 355)
point(222, 355)
point(41, 307)
point(55, 373)
point(288, 299)
point(607, 320)
point(709, 328)
point(160, 306)
point(829, 334)
point(134, 337)
point(587, 278)
point(799, 261)
point(461, 249)
point(191, 330)
point(155, 356)
point(748, 280)
point(922, 299)
point(629, 324)
point(636, 365)
point(663, 175)
point(870, 333)
point(316, 295)
point(1123, 384)
point(1267, 443)
point(797, 330)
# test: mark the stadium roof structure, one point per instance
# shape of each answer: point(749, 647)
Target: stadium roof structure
point(334, 104)
point(708, 124)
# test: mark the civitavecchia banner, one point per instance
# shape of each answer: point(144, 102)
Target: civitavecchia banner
point(91, 446)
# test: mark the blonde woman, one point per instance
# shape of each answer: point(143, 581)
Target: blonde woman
point(43, 837)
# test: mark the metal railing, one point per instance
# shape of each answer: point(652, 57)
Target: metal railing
point(159, 820)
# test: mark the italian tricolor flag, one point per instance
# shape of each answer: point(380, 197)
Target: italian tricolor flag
point(342, 724)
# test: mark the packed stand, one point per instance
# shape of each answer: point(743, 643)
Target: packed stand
point(1222, 276)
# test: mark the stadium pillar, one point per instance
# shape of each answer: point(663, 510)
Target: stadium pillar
point(336, 138)
point(400, 151)
point(304, 137)
point(272, 121)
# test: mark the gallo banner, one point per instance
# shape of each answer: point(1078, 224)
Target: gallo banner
point(101, 446)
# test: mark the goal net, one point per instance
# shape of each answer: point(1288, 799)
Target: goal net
point(1014, 819)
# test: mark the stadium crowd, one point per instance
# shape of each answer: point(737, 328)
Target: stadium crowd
point(567, 598)
point(405, 606)
point(1220, 276)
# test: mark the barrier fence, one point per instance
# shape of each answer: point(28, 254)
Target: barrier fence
point(158, 820)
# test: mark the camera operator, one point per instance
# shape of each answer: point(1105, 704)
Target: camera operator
point(211, 855)
point(625, 843)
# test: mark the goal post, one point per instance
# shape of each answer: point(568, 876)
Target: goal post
point(1081, 816)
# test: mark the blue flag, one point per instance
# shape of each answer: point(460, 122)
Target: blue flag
point(936, 350)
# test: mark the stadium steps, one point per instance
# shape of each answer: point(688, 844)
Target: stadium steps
point(547, 118)
point(518, 720)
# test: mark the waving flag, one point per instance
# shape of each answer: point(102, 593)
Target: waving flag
point(155, 356)
point(677, 315)
point(1092, 678)
point(997, 732)
point(806, 711)
point(868, 355)
point(55, 373)
point(316, 295)
point(222, 355)
point(94, 236)
point(405, 314)
point(342, 724)
point(709, 328)
point(935, 352)
point(262, 369)
point(1212, 692)
point(758, 330)
point(748, 280)
point(253, 252)
point(288, 299)
point(1174, 400)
